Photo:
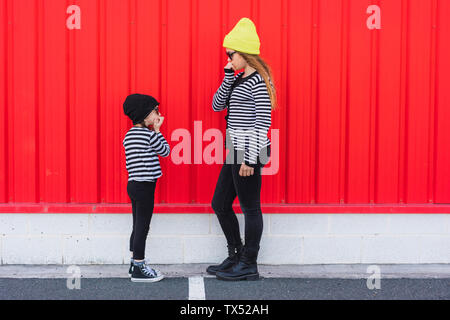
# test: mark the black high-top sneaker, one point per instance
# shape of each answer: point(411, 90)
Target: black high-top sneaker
point(234, 252)
point(245, 269)
point(130, 271)
point(143, 273)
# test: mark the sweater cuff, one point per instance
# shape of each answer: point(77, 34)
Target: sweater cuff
point(229, 75)
point(253, 165)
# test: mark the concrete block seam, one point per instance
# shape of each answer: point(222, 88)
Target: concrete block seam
point(302, 250)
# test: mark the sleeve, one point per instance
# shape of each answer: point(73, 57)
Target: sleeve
point(221, 95)
point(159, 144)
point(263, 108)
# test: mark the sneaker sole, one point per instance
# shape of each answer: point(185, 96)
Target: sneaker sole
point(147, 279)
point(248, 277)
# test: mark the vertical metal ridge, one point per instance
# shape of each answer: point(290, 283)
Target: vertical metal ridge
point(98, 107)
point(432, 136)
point(11, 184)
point(132, 66)
point(160, 49)
point(370, 131)
point(103, 82)
point(192, 173)
point(11, 107)
point(284, 90)
point(6, 76)
point(377, 114)
point(5, 97)
point(374, 67)
point(128, 24)
point(403, 103)
point(132, 42)
point(130, 72)
point(159, 196)
point(436, 111)
point(314, 141)
point(224, 17)
point(191, 191)
point(37, 85)
point(68, 186)
point(226, 8)
point(344, 101)
point(407, 103)
point(222, 24)
point(282, 191)
point(255, 10)
point(163, 72)
point(252, 12)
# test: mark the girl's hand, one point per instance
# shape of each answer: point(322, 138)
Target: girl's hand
point(246, 171)
point(229, 66)
point(158, 123)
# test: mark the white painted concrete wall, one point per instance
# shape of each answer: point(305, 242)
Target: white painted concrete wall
point(197, 238)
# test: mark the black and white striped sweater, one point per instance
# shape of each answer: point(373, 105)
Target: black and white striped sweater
point(142, 147)
point(249, 112)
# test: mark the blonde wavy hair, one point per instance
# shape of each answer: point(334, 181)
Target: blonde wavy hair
point(256, 62)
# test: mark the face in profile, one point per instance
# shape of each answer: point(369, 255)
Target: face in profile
point(152, 117)
point(236, 60)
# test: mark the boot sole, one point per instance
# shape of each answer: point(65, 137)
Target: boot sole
point(248, 277)
point(215, 272)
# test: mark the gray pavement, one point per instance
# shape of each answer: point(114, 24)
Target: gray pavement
point(305, 282)
point(264, 289)
point(328, 289)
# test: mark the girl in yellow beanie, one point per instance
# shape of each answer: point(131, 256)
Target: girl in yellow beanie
point(249, 98)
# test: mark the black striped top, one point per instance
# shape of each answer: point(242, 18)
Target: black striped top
point(249, 112)
point(142, 147)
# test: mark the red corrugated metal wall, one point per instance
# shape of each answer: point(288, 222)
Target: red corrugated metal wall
point(364, 114)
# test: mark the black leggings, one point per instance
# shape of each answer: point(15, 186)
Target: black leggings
point(142, 195)
point(248, 190)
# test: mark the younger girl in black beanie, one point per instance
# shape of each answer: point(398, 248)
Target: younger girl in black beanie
point(142, 147)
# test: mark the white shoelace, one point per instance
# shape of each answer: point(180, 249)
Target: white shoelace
point(149, 271)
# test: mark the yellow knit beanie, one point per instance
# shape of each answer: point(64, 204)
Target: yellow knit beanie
point(243, 37)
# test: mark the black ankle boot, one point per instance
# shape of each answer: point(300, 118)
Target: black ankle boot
point(245, 269)
point(234, 252)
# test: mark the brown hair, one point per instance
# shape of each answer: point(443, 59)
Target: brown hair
point(256, 62)
point(142, 123)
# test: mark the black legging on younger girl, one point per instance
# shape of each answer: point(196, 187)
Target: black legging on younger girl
point(142, 195)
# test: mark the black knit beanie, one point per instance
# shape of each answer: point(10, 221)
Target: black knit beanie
point(138, 106)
